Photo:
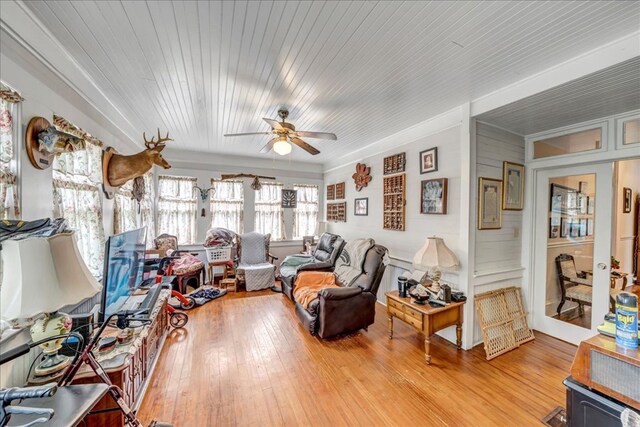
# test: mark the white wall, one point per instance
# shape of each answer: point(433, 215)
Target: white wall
point(497, 253)
point(403, 245)
point(628, 175)
point(45, 95)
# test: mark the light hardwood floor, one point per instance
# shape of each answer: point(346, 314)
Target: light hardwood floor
point(245, 360)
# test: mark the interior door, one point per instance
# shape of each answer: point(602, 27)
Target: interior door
point(572, 216)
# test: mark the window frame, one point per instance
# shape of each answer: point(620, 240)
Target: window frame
point(295, 210)
point(283, 232)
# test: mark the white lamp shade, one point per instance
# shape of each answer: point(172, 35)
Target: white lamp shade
point(435, 254)
point(282, 147)
point(321, 228)
point(42, 275)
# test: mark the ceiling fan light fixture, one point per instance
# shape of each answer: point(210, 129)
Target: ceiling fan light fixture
point(282, 147)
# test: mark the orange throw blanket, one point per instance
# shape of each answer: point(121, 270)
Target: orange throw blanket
point(309, 283)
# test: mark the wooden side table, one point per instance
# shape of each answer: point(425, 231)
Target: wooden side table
point(424, 318)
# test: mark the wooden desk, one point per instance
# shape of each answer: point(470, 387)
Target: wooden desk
point(425, 318)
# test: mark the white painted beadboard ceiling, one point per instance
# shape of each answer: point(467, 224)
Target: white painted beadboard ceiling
point(611, 91)
point(363, 70)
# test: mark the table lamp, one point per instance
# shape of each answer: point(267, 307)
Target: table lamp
point(40, 276)
point(436, 257)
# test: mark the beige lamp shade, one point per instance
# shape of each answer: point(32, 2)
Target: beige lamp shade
point(42, 275)
point(321, 228)
point(435, 254)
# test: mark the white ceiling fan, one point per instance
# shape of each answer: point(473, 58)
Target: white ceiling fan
point(286, 132)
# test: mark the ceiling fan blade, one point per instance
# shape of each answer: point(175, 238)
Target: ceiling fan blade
point(269, 145)
point(274, 124)
point(319, 135)
point(306, 147)
point(248, 133)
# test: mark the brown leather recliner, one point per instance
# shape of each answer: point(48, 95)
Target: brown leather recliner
point(324, 257)
point(350, 308)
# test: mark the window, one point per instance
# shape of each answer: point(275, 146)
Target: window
point(269, 214)
point(128, 214)
point(177, 207)
point(77, 198)
point(631, 132)
point(9, 128)
point(568, 144)
point(305, 215)
point(227, 205)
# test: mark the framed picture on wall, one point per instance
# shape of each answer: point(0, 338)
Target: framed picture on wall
point(489, 203)
point(289, 198)
point(626, 200)
point(583, 187)
point(554, 227)
point(434, 196)
point(513, 179)
point(361, 206)
point(583, 227)
point(562, 199)
point(429, 160)
point(591, 201)
point(574, 229)
point(589, 227)
point(565, 225)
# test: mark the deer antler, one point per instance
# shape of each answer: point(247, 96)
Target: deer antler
point(153, 143)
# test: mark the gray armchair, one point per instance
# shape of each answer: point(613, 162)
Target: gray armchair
point(323, 258)
point(255, 264)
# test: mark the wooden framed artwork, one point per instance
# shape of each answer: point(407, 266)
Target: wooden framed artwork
point(289, 198)
point(583, 187)
point(626, 199)
point(583, 227)
point(513, 179)
point(489, 204)
point(554, 227)
point(394, 164)
point(565, 225)
point(337, 212)
point(340, 190)
point(563, 199)
point(361, 206)
point(433, 198)
point(393, 208)
point(429, 160)
point(331, 192)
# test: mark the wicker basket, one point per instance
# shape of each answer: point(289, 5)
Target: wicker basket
point(218, 253)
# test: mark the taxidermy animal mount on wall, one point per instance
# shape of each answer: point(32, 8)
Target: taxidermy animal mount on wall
point(117, 169)
point(44, 141)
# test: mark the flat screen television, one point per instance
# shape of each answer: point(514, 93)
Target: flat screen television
point(123, 269)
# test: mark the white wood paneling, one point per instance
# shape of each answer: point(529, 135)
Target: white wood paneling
point(613, 90)
point(498, 250)
point(364, 70)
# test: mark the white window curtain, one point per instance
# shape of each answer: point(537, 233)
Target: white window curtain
point(305, 214)
point(227, 205)
point(125, 212)
point(147, 218)
point(129, 215)
point(9, 133)
point(77, 197)
point(177, 207)
point(269, 213)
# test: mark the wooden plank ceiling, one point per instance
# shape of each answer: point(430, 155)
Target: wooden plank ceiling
point(363, 70)
point(613, 90)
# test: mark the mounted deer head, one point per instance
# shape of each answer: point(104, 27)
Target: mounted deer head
point(117, 169)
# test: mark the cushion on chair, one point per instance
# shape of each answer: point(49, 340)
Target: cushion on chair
point(580, 293)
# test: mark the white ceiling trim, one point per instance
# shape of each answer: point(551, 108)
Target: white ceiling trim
point(598, 59)
point(28, 31)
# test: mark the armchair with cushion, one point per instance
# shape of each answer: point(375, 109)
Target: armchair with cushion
point(255, 264)
point(323, 258)
point(576, 286)
point(328, 306)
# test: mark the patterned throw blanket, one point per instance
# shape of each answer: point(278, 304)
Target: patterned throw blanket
point(349, 265)
point(309, 283)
